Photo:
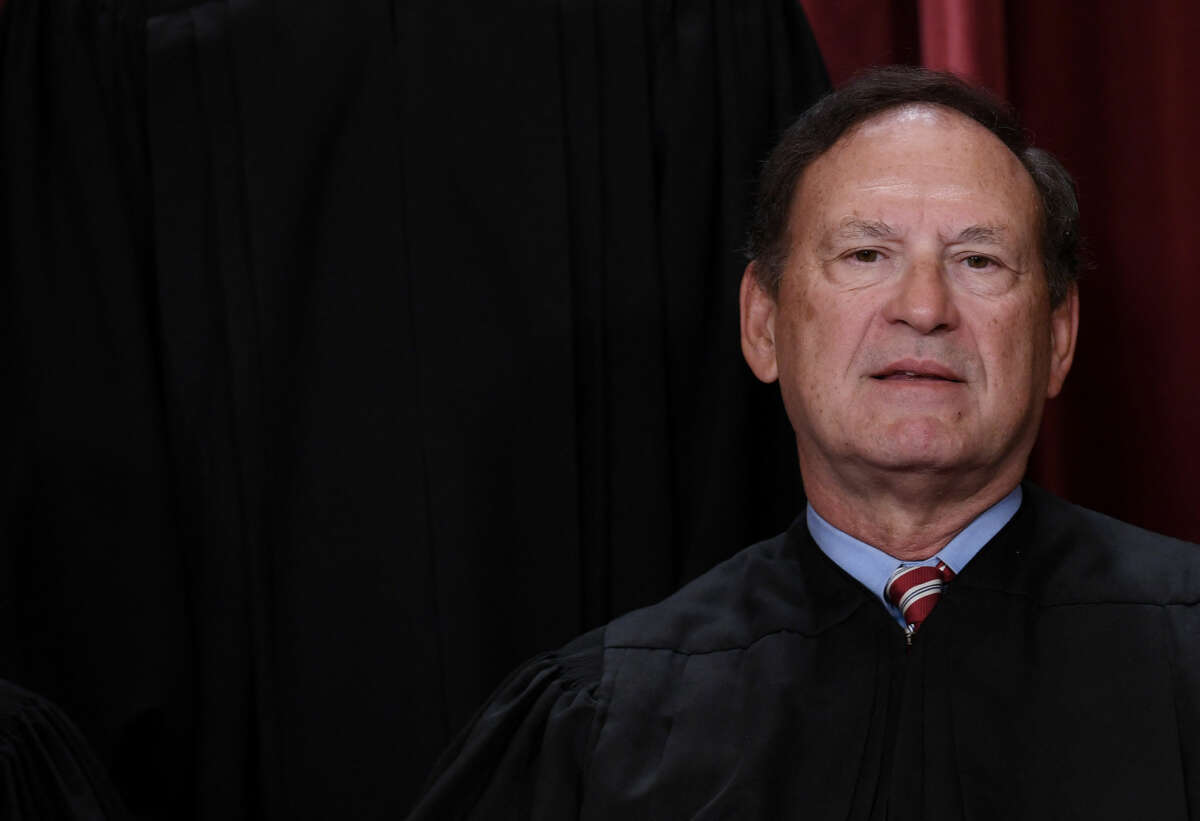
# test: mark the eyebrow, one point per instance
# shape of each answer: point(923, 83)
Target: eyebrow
point(982, 233)
point(854, 228)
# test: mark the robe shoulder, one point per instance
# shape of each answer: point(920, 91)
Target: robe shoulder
point(528, 752)
point(47, 768)
point(783, 584)
point(524, 753)
point(1065, 554)
point(1087, 557)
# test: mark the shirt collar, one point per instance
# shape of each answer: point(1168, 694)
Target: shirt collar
point(872, 567)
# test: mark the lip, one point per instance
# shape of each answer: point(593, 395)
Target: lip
point(917, 369)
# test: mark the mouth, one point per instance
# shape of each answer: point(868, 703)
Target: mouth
point(909, 371)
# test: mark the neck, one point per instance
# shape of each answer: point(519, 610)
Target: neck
point(910, 516)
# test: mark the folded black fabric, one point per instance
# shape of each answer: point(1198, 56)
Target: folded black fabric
point(47, 770)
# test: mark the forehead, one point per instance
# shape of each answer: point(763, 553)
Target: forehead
point(918, 164)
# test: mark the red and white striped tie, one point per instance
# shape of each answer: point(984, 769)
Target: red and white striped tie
point(915, 589)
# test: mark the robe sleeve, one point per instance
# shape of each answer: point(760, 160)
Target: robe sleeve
point(525, 753)
point(47, 770)
point(1184, 625)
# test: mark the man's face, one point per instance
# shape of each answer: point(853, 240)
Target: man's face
point(912, 331)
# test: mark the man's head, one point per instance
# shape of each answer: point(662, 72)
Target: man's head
point(880, 90)
point(912, 285)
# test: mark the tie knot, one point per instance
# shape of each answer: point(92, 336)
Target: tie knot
point(915, 589)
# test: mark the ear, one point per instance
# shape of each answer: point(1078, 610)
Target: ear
point(758, 326)
point(1064, 327)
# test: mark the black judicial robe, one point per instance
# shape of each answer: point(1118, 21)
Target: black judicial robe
point(353, 351)
point(1058, 678)
point(361, 324)
point(47, 770)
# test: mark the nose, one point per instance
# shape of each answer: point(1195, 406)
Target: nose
point(922, 298)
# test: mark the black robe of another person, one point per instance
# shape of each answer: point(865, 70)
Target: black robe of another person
point(354, 351)
point(1057, 678)
point(47, 770)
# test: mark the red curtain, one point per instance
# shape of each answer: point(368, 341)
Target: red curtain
point(1108, 87)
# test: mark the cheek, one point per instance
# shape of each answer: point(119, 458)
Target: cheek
point(824, 339)
point(811, 337)
point(808, 312)
point(823, 330)
point(1014, 354)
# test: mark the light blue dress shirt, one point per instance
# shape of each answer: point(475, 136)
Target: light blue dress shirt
point(872, 567)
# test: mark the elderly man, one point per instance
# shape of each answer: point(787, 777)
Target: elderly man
point(934, 639)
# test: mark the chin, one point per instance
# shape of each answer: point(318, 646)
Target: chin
point(920, 446)
point(915, 462)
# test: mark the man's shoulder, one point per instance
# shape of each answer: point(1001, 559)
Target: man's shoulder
point(1092, 557)
point(784, 584)
point(762, 590)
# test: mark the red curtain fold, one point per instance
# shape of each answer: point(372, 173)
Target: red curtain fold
point(966, 37)
point(1108, 90)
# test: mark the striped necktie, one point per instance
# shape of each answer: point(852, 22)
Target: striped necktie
point(915, 589)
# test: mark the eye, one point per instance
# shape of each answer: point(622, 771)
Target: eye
point(866, 255)
point(978, 262)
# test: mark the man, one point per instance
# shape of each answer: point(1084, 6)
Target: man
point(933, 639)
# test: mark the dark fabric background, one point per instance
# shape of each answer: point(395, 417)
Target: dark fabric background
point(356, 352)
point(1109, 88)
